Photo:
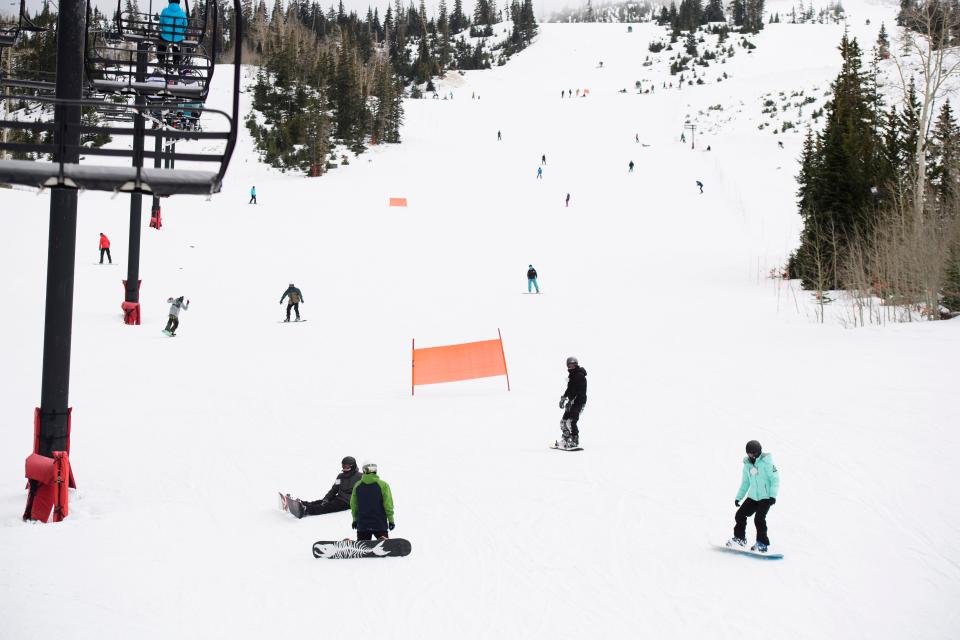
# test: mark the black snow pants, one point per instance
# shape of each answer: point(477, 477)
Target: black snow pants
point(572, 413)
point(317, 508)
point(369, 535)
point(758, 509)
point(172, 324)
point(295, 306)
point(105, 251)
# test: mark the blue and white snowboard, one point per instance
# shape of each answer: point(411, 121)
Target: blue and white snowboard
point(747, 552)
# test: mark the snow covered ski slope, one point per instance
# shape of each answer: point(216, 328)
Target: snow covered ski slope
point(179, 446)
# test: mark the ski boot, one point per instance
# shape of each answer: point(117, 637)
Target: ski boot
point(759, 547)
point(737, 543)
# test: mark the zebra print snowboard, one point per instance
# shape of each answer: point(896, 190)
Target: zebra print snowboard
point(390, 548)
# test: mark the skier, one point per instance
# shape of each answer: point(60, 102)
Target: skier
point(539, 173)
point(499, 137)
point(700, 184)
point(296, 297)
point(572, 402)
point(683, 138)
point(761, 481)
point(253, 195)
point(173, 28)
point(371, 504)
point(543, 159)
point(636, 137)
point(338, 498)
point(105, 248)
point(532, 279)
point(568, 199)
point(176, 304)
point(631, 167)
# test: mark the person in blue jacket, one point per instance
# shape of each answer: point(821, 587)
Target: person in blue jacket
point(539, 172)
point(762, 482)
point(173, 29)
point(253, 195)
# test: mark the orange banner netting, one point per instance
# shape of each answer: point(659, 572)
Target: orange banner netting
point(398, 202)
point(458, 362)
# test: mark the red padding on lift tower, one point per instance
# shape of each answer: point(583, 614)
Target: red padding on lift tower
point(52, 493)
point(36, 437)
point(131, 312)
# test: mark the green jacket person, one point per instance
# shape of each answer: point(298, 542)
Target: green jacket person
point(371, 504)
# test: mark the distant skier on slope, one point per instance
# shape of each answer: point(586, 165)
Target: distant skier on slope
point(253, 195)
point(337, 499)
point(532, 279)
point(540, 173)
point(543, 159)
point(499, 137)
point(631, 167)
point(572, 402)
point(371, 504)
point(568, 199)
point(700, 184)
point(295, 298)
point(176, 304)
point(762, 482)
point(105, 248)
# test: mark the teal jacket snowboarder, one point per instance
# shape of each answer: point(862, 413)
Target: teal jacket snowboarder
point(760, 479)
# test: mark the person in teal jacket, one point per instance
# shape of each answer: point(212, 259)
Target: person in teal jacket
point(173, 29)
point(761, 482)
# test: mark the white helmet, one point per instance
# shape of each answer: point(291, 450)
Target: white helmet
point(369, 467)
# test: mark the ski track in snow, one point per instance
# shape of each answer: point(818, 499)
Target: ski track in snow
point(179, 446)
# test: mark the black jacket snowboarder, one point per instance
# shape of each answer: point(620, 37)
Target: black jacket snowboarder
point(572, 402)
point(338, 498)
point(295, 298)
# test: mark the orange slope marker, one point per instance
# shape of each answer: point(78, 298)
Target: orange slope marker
point(466, 361)
point(398, 202)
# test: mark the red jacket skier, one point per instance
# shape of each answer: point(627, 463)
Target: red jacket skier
point(105, 248)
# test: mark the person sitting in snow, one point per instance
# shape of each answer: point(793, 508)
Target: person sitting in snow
point(337, 499)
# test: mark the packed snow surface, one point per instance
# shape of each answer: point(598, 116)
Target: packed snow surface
point(180, 445)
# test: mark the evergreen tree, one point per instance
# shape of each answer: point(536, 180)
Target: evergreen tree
point(714, 11)
point(944, 155)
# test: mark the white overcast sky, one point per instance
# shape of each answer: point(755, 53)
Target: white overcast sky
point(542, 7)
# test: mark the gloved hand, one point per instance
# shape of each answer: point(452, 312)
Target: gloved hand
point(772, 501)
point(563, 402)
point(736, 503)
point(391, 526)
point(353, 525)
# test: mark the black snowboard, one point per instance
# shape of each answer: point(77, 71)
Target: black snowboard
point(334, 549)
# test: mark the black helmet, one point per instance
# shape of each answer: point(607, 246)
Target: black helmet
point(754, 448)
point(349, 461)
point(572, 361)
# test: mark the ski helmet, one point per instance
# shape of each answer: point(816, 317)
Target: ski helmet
point(349, 461)
point(572, 361)
point(369, 467)
point(754, 448)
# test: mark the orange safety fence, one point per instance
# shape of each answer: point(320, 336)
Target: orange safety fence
point(454, 362)
point(398, 202)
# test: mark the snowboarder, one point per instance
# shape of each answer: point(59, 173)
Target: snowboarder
point(371, 504)
point(543, 159)
point(499, 137)
point(532, 279)
point(176, 304)
point(105, 248)
point(601, 64)
point(173, 28)
point(700, 184)
point(631, 167)
point(572, 402)
point(683, 138)
point(540, 173)
point(636, 137)
point(568, 199)
point(761, 481)
point(296, 297)
point(780, 143)
point(253, 195)
point(338, 498)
